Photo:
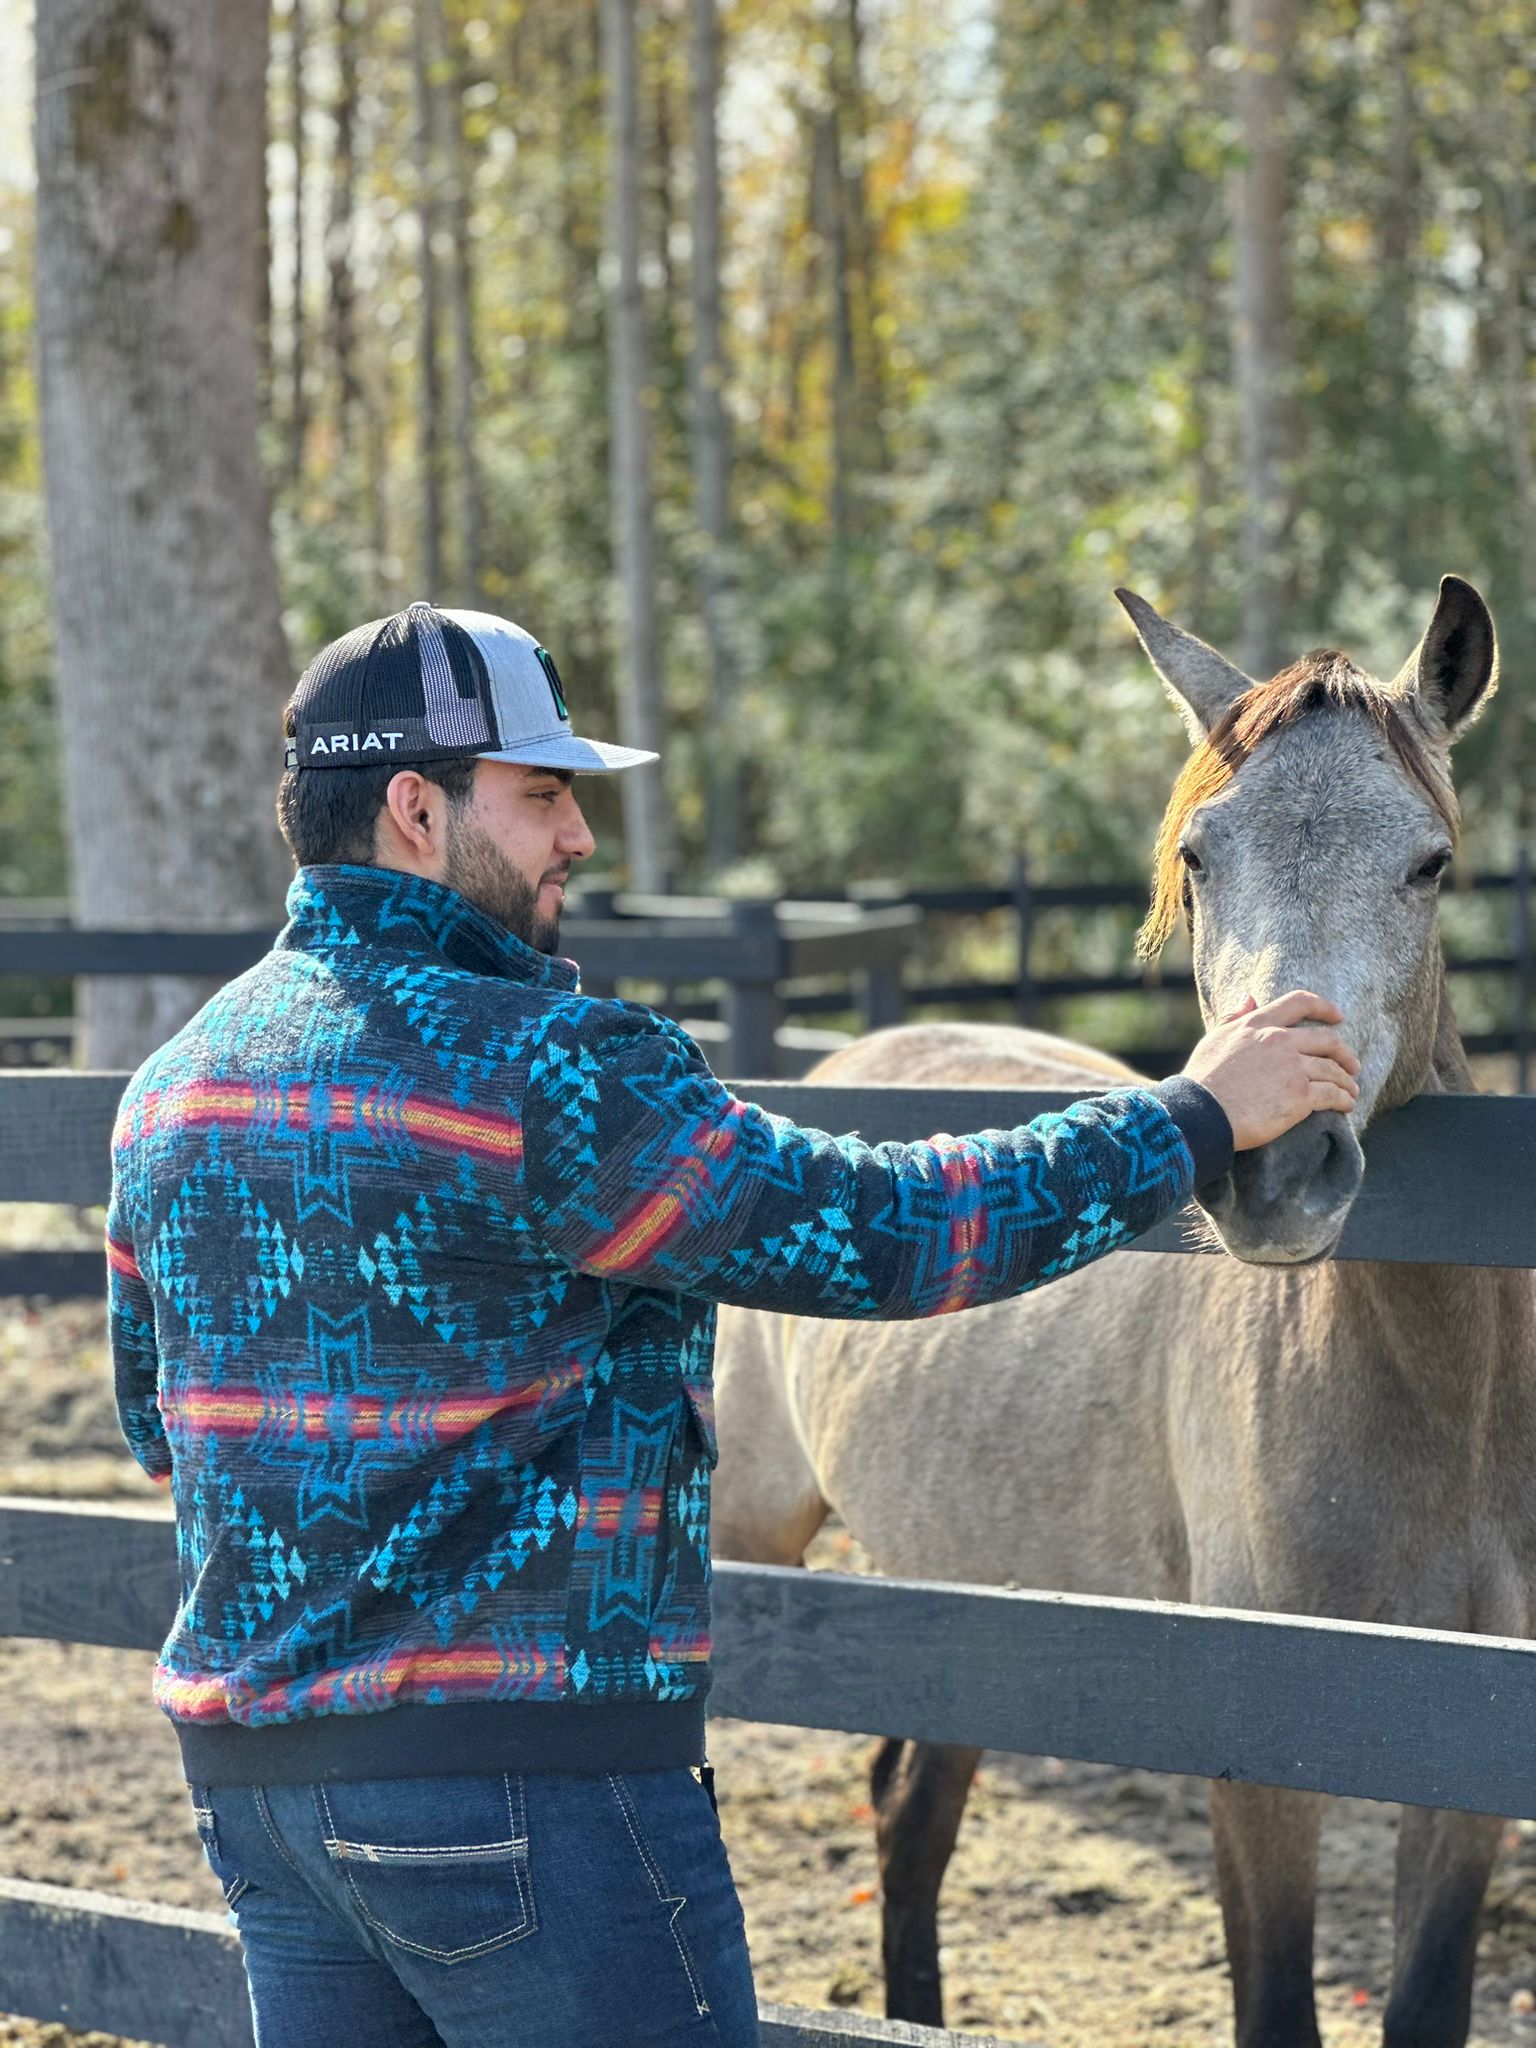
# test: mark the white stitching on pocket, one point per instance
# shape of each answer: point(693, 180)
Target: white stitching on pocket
point(673, 1899)
point(514, 1851)
point(271, 1827)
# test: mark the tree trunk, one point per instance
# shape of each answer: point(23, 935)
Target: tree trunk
point(1515, 329)
point(832, 225)
point(428, 381)
point(1399, 220)
point(647, 826)
point(1206, 327)
point(861, 257)
point(338, 238)
point(711, 442)
point(1266, 381)
point(170, 663)
point(298, 402)
point(466, 454)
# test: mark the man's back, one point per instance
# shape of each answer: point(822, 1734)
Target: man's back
point(417, 1458)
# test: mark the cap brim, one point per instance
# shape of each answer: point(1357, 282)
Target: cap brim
point(565, 750)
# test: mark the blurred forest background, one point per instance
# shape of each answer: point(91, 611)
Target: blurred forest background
point(804, 372)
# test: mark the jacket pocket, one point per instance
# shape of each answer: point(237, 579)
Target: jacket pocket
point(439, 1867)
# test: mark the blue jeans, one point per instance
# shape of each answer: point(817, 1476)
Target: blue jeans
point(494, 1912)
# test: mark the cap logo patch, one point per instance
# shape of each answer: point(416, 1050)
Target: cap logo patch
point(552, 677)
point(355, 743)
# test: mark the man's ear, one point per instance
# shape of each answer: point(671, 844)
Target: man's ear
point(1454, 670)
point(409, 815)
point(1203, 684)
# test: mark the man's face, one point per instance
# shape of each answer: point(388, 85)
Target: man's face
point(509, 849)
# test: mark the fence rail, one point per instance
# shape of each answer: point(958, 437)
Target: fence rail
point(55, 1131)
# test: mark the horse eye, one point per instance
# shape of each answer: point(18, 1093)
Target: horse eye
point(1433, 868)
point(1191, 860)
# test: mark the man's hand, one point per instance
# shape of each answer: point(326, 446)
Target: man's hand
point(1270, 1068)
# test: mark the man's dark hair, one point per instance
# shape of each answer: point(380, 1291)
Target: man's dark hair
point(328, 815)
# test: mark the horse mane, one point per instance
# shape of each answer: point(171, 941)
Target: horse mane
point(1322, 680)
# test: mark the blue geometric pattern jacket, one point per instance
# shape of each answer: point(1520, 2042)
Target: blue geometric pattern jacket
point(414, 1256)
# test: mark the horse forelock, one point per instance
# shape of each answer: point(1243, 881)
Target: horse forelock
point(1324, 680)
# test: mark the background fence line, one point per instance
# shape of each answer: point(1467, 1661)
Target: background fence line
point(760, 949)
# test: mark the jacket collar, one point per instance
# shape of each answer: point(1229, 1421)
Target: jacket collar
point(409, 915)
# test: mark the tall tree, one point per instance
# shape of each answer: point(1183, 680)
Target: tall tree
point(429, 402)
point(647, 827)
point(171, 668)
point(711, 441)
point(1513, 202)
point(466, 453)
point(1262, 344)
point(298, 103)
point(339, 229)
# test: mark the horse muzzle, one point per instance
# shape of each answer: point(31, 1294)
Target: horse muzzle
point(1286, 1203)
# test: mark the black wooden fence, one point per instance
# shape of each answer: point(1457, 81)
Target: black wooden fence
point(1401, 1714)
point(761, 951)
point(753, 948)
point(1032, 997)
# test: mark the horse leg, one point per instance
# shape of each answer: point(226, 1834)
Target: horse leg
point(1266, 1871)
point(1443, 1861)
point(918, 1790)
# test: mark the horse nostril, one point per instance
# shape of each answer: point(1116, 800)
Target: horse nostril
point(1337, 1174)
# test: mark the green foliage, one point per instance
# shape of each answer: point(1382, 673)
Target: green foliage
point(978, 301)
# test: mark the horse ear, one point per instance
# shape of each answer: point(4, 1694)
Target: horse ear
point(1204, 683)
point(1454, 670)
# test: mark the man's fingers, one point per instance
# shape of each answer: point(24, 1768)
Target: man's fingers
point(1333, 1074)
point(1317, 1042)
point(1300, 1006)
point(1248, 1003)
point(1324, 1095)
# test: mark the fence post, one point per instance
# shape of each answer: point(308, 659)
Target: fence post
point(753, 1008)
point(598, 904)
point(1522, 952)
point(1024, 1004)
point(882, 997)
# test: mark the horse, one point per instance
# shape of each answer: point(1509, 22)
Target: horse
point(1270, 1429)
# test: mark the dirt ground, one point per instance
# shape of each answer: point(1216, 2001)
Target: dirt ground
point(1079, 1910)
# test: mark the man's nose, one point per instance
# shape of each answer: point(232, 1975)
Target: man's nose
point(575, 835)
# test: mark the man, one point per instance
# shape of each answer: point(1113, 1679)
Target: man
point(414, 1256)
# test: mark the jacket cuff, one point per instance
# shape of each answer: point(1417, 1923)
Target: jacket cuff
point(1203, 1123)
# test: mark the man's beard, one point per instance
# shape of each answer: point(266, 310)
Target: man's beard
point(479, 870)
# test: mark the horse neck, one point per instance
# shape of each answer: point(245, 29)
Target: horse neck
point(1463, 1336)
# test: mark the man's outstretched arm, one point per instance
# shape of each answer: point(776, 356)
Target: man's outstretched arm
point(641, 1167)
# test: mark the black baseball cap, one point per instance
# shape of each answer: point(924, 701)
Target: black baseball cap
point(431, 685)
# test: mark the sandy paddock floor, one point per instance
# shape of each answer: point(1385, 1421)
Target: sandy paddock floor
point(1078, 1911)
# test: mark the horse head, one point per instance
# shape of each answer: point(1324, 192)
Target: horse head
point(1304, 845)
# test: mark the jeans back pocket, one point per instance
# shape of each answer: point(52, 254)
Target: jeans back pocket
point(438, 1866)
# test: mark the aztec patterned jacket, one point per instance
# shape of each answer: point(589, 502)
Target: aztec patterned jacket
point(414, 1253)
